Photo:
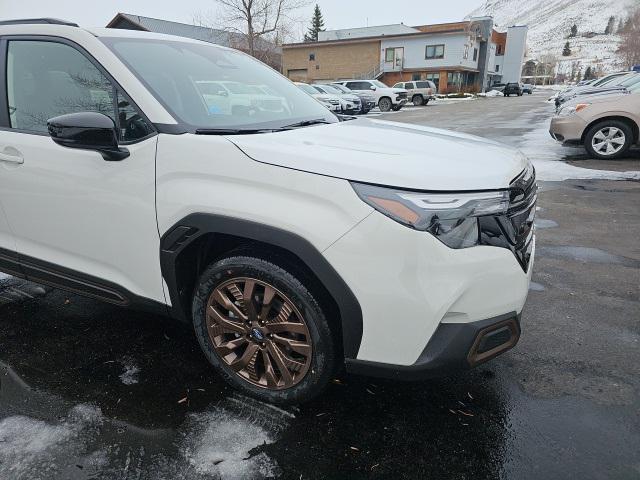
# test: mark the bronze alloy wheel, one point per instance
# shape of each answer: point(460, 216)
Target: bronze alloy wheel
point(259, 333)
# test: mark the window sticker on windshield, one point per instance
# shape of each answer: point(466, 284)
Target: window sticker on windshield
point(214, 110)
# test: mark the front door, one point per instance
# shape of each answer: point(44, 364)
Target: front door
point(72, 212)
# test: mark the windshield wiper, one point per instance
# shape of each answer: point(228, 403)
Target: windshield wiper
point(231, 131)
point(305, 123)
point(249, 131)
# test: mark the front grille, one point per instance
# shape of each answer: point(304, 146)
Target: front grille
point(402, 95)
point(514, 230)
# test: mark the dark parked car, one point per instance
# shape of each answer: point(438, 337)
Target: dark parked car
point(512, 89)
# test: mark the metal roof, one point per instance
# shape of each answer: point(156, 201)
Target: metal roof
point(205, 34)
point(362, 32)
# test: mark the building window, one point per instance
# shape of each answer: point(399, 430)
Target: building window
point(389, 55)
point(312, 57)
point(434, 51)
point(435, 78)
point(415, 76)
point(497, 68)
point(465, 55)
point(475, 54)
point(499, 49)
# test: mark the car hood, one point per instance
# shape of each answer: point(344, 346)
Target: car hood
point(389, 153)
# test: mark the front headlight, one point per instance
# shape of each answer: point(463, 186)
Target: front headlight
point(451, 217)
point(570, 110)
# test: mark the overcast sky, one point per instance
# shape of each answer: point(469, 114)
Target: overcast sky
point(337, 13)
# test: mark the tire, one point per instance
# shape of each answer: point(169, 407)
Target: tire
point(506, 94)
point(311, 338)
point(384, 104)
point(616, 137)
point(418, 100)
point(396, 108)
point(426, 102)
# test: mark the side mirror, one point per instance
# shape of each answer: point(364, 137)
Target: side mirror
point(373, 87)
point(87, 131)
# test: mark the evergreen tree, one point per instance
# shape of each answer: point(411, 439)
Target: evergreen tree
point(620, 26)
point(610, 25)
point(574, 31)
point(566, 51)
point(587, 74)
point(317, 25)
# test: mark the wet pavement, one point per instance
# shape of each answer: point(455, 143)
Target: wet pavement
point(88, 390)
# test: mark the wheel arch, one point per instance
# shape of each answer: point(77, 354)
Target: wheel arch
point(197, 240)
point(620, 118)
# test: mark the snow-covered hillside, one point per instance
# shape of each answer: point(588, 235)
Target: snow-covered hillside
point(550, 22)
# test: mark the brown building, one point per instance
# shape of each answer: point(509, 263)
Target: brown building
point(459, 56)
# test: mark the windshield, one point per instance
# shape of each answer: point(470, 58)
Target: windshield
point(378, 84)
point(208, 87)
point(605, 80)
point(307, 88)
point(632, 80)
point(614, 81)
point(341, 88)
point(330, 89)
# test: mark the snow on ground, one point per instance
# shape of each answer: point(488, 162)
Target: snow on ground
point(546, 155)
point(131, 370)
point(4, 276)
point(31, 448)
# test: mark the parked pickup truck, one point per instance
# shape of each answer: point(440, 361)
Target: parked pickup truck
point(387, 98)
point(419, 92)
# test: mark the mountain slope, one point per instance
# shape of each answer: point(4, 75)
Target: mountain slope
point(550, 22)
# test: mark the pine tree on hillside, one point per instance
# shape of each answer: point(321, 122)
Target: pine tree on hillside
point(587, 74)
point(566, 51)
point(610, 25)
point(574, 31)
point(317, 25)
point(620, 26)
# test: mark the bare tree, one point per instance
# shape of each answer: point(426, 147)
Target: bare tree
point(630, 46)
point(257, 19)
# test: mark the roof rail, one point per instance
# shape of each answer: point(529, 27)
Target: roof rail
point(27, 21)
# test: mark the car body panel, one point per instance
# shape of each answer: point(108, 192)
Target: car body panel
point(572, 127)
point(404, 300)
point(388, 153)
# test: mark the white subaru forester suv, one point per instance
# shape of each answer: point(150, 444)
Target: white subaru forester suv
point(295, 242)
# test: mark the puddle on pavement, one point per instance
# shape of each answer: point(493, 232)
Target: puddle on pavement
point(536, 287)
point(587, 254)
point(43, 436)
point(544, 223)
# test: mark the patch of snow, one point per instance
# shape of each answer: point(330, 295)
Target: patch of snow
point(491, 93)
point(4, 276)
point(546, 154)
point(30, 447)
point(131, 371)
point(219, 442)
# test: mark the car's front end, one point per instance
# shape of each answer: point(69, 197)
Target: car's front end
point(567, 126)
point(350, 104)
point(399, 96)
point(441, 264)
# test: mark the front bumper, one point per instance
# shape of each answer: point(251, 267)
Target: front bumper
point(408, 284)
point(453, 347)
point(567, 129)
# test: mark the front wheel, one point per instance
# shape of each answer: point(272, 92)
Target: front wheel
point(608, 139)
point(385, 104)
point(397, 108)
point(417, 100)
point(263, 330)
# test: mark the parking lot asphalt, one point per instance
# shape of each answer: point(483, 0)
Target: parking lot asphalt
point(88, 390)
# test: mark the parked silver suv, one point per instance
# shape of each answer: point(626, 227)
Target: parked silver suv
point(419, 92)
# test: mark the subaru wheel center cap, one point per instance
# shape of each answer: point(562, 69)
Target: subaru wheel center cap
point(257, 334)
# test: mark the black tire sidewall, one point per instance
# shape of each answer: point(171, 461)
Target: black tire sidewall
point(323, 362)
point(386, 101)
point(628, 133)
point(420, 100)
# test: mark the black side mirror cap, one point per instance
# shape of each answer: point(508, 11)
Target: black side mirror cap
point(87, 131)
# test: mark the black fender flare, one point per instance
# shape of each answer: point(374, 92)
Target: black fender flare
point(177, 238)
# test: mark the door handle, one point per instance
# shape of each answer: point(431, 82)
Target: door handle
point(14, 157)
